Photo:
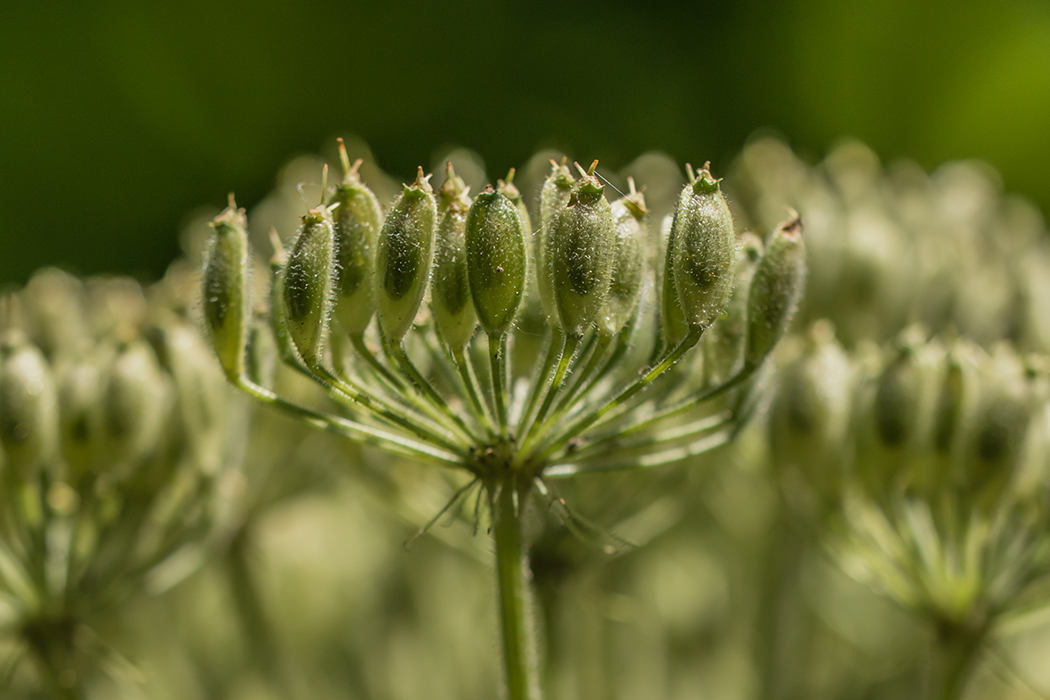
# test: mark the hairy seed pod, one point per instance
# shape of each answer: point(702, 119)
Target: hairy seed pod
point(724, 342)
point(278, 313)
point(261, 365)
point(554, 196)
point(508, 188)
point(775, 291)
point(450, 291)
point(810, 415)
point(357, 221)
point(673, 322)
point(496, 263)
point(135, 404)
point(580, 250)
point(79, 394)
point(227, 288)
point(704, 251)
point(406, 252)
point(629, 257)
point(309, 280)
point(28, 406)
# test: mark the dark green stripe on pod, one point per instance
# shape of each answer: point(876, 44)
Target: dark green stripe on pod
point(450, 291)
point(704, 251)
point(580, 250)
point(309, 282)
point(357, 221)
point(227, 288)
point(628, 270)
point(406, 251)
point(554, 196)
point(496, 263)
point(28, 405)
point(775, 290)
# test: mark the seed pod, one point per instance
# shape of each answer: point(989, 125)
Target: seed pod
point(673, 324)
point(724, 342)
point(508, 188)
point(54, 303)
point(227, 288)
point(135, 404)
point(496, 263)
point(79, 395)
point(994, 442)
point(580, 250)
point(896, 419)
point(28, 406)
point(810, 415)
point(554, 196)
point(309, 280)
point(200, 401)
point(775, 290)
point(405, 254)
point(628, 273)
point(450, 291)
point(261, 365)
point(704, 251)
point(357, 220)
point(278, 313)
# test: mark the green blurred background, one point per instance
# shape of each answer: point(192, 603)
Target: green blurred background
point(116, 118)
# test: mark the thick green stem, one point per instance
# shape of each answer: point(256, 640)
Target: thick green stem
point(51, 643)
point(955, 653)
point(512, 573)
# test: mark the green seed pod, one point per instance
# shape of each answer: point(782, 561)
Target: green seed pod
point(580, 250)
point(554, 196)
point(704, 251)
point(997, 434)
point(278, 313)
point(897, 417)
point(79, 396)
point(724, 342)
point(135, 404)
point(496, 264)
point(200, 401)
point(673, 323)
point(450, 291)
point(227, 288)
point(28, 406)
point(309, 280)
point(775, 290)
point(54, 303)
point(508, 188)
point(629, 257)
point(261, 366)
point(357, 221)
point(810, 415)
point(406, 251)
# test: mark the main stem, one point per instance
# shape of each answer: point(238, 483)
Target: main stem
point(955, 654)
point(512, 574)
